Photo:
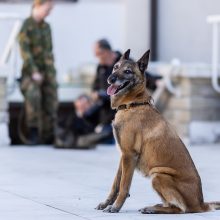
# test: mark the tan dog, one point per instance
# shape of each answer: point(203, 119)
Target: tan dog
point(148, 143)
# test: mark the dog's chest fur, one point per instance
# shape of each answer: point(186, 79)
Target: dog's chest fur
point(124, 129)
point(119, 124)
point(132, 129)
point(127, 128)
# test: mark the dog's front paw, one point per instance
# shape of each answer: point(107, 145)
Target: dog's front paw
point(111, 209)
point(102, 206)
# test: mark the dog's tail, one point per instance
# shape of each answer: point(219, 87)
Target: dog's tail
point(215, 205)
point(210, 206)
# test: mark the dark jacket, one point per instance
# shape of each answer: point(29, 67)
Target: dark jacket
point(100, 85)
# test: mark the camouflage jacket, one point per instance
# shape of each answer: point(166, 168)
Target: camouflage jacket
point(36, 47)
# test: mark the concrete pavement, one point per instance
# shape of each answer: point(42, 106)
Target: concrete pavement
point(46, 184)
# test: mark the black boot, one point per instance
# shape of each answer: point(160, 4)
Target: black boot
point(91, 140)
point(65, 142)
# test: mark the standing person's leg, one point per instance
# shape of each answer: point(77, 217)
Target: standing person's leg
point(50, 106)
point(32, 105)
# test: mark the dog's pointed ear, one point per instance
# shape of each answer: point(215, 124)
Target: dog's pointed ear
point(126, 55)
point(143, 61)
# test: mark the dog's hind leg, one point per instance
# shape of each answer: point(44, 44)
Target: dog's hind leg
point(173, 200)
point(160, 210)
point(114, 191)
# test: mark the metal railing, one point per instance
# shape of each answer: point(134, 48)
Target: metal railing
point(11, 46)
point(215, 20)
point(13, 36)
point(174, 69)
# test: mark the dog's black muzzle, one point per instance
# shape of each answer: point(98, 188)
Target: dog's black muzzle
point(112, 79)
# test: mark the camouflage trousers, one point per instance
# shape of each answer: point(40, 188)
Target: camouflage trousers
point(41, 104)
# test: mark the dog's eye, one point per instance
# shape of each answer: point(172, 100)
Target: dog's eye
point(127, 71)
point(115, 67)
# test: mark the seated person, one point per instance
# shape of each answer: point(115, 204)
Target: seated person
point(91, 122)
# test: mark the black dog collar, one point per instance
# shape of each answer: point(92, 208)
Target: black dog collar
point(133, 105)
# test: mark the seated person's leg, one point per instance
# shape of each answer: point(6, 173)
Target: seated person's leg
point(102, 135)
point(82, 130)
point(75, 125)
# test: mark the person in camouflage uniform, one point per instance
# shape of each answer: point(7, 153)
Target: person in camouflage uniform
point(38, 81)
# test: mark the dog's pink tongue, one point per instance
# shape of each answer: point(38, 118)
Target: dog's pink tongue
point(111, 89)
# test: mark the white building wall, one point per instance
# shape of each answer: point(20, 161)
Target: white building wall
point(77, 26)
point(137, 26)
point(183, 31)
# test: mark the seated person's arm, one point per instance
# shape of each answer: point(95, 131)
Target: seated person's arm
point(100, 95)
point(151, 82)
